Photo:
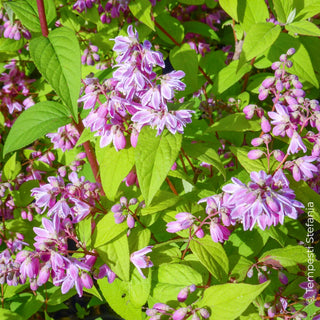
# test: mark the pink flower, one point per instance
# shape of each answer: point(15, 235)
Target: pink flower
point(140, 260)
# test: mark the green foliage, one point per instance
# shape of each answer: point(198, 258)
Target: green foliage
point(34, 123)
point(154, 157)
point(218, 299)
point(60, 66)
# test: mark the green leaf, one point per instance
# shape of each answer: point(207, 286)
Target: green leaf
point(200, 28)
point(236, 122)
point(283, 9)
point(139, 288)
point(259, 38)
point(116, 255)
point(205, 152)
point(171, 278)
point(218, 298)
point(117, 296)
point(27, 12)
point(230, 7)
point(184, 58)
point(27, 304)
point(57, 57)
point(308, 11)
point(86, 135)
point(154, 159)
point(240, 270)
point(11, 168)
point(228, 76)
point(69, 19)
point(106, 230)
point(303, 27)
point(141, 9)
point(34, 123)
point(307, 196)
point(114, 167)
point(302, 63)
point(83, 230)
point(288, 256)
point(11, 45)
point(172, 26)
point(7, 314)
point(162, 200)
point(252, 12)
point(212, 256)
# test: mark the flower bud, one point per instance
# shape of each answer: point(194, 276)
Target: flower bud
point(291, 51)
point(278, 155)
point(283, 58)
point(276, 65)
point(86, 280)
point(289, 64)
point(265, 125)
point(133, 201)
point(255, 154)
point(298, 92)
point(283, 278)
point(249, 110)
point(204, 313)
point(183, 294)
point(130, 221)
point(180, 314)
point(279, 85)
point(263, 94)
point(262, 278)
point(267, 83)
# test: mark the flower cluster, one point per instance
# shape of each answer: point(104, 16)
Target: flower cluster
point(90, 55)
point(122, 211)
point(292, 113)
point(74, 200)
point(66, 137)
point(12, 30)
point(14, 84)
point(135, 96)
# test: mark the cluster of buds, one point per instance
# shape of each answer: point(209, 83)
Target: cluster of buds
point(122, 211)
point(90, 55)
point(11, 30)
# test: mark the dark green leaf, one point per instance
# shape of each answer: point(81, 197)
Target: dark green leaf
point(57, 57)
point(34, 123)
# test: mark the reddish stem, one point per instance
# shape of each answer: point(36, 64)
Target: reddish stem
point(42, 18)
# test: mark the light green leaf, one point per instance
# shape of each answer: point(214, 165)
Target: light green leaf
point(27, 12)
point(57, 57)
point(114, 167)
point(172, 26)
point(283, 9)
point(139, 288)
point(236, 122)
point(154, 159)
point(303, 27)
point(230, 7)
point(228, 76)
point(251, 12)
point(7, 314)
point(34, 123)
point(212, 256)
point(11, 44)
point(240, 270)
point(116, 255)
point(259, 38)
point(288, 256)
point(184, 58)
point(69, 19)
point(117, 296)
point(218, 298)
point(308, 11)
point(171, 278)
point(106, 230)
point(86, 135)
point(11, 168)
point(83, 230)
point(141, 9)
